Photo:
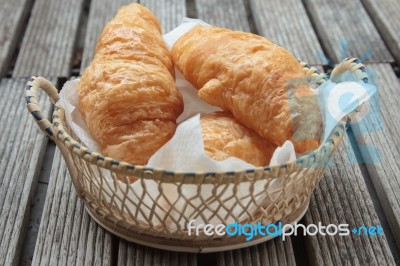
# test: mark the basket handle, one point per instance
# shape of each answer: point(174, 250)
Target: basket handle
point(32, 102)
point(313, 73)
point(353, 65)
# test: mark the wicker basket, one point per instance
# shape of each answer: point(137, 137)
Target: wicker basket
point(156, 210)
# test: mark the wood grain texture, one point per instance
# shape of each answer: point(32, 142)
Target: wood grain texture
point(137, 255)
point(48, 45)
point(223, 13)
point(12, 18)
point(385, 15)
point(286, 23)
point(378, 137)
point(273, 252)
point(168, 12)
point(67, 234)
point(101, 11)
point(22, 146)
point(347, 21)
point(342, 198)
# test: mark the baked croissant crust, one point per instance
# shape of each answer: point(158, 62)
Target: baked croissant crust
point(224, 137)
point(260, 83)
point(128, 96)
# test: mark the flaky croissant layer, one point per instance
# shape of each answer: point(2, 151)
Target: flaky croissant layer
point(253, 79)
point(224, 137)
point(128, 97)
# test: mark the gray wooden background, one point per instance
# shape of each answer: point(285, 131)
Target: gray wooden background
point(43, 222)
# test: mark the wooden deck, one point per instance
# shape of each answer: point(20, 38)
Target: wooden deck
point(44, 223)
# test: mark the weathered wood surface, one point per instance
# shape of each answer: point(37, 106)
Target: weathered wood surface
point(168, 12)
point(12, 19)
point(137, 255)
point(274, 252)
point(378, 138)
point(101, 11)
point(35, 216)
point(385, 15)
point(223, 13)
point(67, 234)
point(342, 197)
point(286, 23)
point(22, 147)
point(48, 44)
point(347, 21)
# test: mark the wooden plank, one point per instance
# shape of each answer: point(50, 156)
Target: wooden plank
point(101, 11)
point(67, 234)
point(35, 216)
point(273, 252)
point(22, 147)
point(12, 18)
point(342, 198)
point(385, 15)
point(133, 254)
point(169, 12)
point(48, 45)
point(378, 137)
point(223, 13)
point(347, 21)
point(288, 27)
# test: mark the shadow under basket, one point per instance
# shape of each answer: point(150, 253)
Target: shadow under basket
point(157, 209)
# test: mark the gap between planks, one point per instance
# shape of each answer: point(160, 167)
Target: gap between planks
point(13, 15)
point(346, 30)
point(379, 142)
point(342, 198)
point(51, 34)
point(22, 149)
point(67, 234)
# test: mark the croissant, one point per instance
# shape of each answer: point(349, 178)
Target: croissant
point(127, 95)
point(257, 81)
point(224, 137)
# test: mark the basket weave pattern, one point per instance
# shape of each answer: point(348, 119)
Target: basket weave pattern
point(161, 203)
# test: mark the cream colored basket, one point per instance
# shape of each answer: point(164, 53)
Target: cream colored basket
point(155, 210)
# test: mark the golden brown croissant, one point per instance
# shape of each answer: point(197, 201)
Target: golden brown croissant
point(128, 96)
point(249, 76)
point(224, 137)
